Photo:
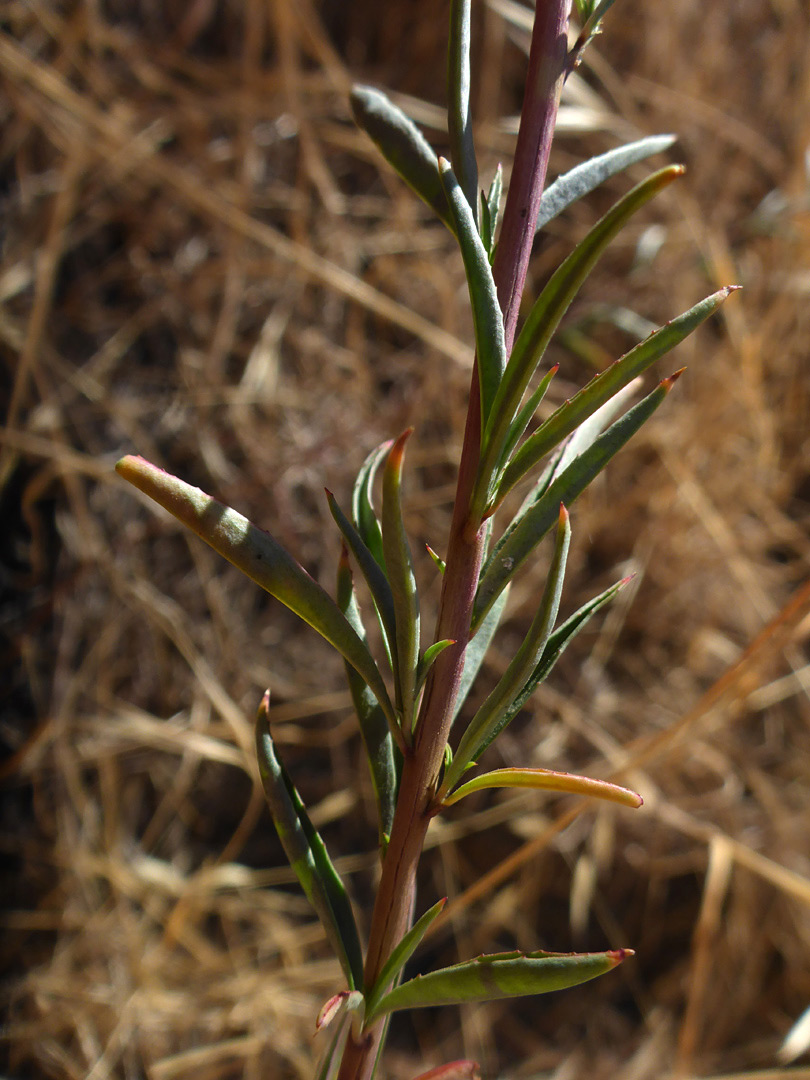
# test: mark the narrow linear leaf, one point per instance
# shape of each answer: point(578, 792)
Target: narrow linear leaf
point(257, 554)
point(487, 317)
point(402, 953)
point(307, 854)
point(592, 25)
point(403, 583)
point(572, 448)
point(524, 416)
point(491, 212)
point(545, 316)
point(363, 515)
point(374, 727)
point(459, 120)
point(501, 975)
point(440, 563)
point(428, 658)
point(557, 643)
point(402, 145)
point(540, 517)
point(372, 571)
point(588, 175)
point(477, 649)
point(601, 388)
point(546, 780)
point(487, 721)
point(330, 1061)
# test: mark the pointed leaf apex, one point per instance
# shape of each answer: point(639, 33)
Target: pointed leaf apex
point(617, 955)
point(626, 580)
point(397, 451)
point(564, 515)
point(329, 1009)
point(264, 704)
point(667, 384)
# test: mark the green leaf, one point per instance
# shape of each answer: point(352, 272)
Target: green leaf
point(403, 583)
point(402, 145)
point(488, 721)
point(307, 854)
point(374, 727)
point(428, 658)
point(523, 418)
point(557, 643)
point(363, 515)
point(487, 317)
point(477, 649)
point(546, 780)
point(600, 389)
point(543, 320)
point(439, 561)
point(402, 953)
point(263, 559)
point(333, 1052)
point(491, 212)
point(500, 975)
point(371, 570)
point(588, 175)
point(572, 481)
point(459, 120)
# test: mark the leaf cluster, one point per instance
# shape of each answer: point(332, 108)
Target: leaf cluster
point(556, 458)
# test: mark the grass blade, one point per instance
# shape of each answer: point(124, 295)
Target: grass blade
point(500, 975)
point(487, 317)
point(402, 145)
point(307, 854)
point(257, 554)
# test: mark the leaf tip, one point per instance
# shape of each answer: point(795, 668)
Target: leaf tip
point(264, 707)
point(397, 451)
point(616, 956)
point(667, 384)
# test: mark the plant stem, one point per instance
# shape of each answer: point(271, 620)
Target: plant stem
point(538, 117)
point(393, 909)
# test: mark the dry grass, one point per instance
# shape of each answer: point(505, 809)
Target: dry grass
point(204, 262)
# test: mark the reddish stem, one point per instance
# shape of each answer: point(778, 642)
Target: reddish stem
point(393, 909)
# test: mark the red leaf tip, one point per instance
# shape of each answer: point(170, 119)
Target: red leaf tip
point(673, 378)
point(617, 955)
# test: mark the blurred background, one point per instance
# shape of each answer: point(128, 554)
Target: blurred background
point(205, 263)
